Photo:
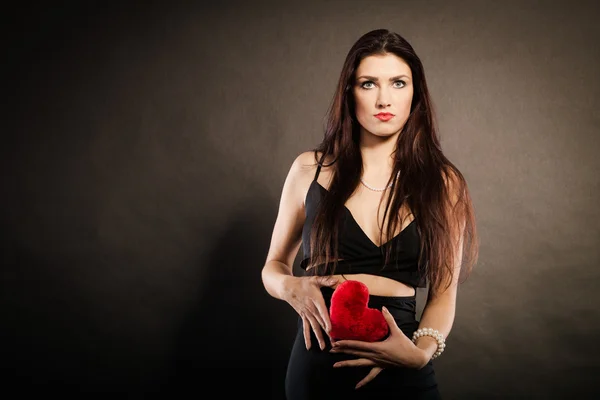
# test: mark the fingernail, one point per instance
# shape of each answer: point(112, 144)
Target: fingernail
point(385, 309)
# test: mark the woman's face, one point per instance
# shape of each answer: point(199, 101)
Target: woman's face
point(383, 85)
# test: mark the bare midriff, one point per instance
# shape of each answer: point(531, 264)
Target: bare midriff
point(378, 285)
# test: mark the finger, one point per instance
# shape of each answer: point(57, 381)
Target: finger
point(306, 331)
point(357, 345)
point(370, 376)
point(359, 362)
point(358, 353)
point(323, 315)
point(317, 330)
point(317, 316)
point(389, 319)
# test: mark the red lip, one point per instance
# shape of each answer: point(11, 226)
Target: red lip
point(384, 116)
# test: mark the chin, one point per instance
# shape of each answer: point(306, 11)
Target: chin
point(384, 132)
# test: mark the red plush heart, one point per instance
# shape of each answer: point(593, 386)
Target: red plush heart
point(350, 316)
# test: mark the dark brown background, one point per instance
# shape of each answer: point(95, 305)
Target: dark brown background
point(145, 148)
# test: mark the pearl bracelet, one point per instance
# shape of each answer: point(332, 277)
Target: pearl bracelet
point(441, 344)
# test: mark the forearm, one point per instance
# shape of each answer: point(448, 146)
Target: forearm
point(275, 274)
point(438, 314)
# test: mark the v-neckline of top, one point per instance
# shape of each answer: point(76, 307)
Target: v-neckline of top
point(361, 229)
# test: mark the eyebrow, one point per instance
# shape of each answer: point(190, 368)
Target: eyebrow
point(373, 78)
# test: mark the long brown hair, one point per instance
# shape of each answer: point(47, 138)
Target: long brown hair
point(430, 185)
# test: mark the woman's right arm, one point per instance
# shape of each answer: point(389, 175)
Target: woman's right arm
point(302, 293)
point(287, 232)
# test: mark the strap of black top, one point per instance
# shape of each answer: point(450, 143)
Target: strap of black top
point(318, 170)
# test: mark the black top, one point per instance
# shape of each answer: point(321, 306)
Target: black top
point(357, 253)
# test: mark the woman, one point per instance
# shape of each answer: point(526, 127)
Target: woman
point(376, 202)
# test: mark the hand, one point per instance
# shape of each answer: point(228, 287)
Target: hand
point(397, 350)
point(304, 295)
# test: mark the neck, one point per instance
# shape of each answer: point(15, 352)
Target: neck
point(377, 156)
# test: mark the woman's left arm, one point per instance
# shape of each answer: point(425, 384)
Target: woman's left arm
point(438, 314)
point(440, 308)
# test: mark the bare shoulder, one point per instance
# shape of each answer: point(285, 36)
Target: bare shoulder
point(302, 172)
point(309, 160)
point(305, 162)
point(304, 169)
point(305, 165)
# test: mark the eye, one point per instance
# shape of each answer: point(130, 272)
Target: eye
point(397, 84)
point(362, 85)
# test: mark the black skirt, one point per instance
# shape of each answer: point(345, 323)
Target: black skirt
point(311, 375)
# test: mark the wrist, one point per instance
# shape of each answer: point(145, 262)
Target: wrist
point(430, 341)
point(423, 355)
point(284, 286)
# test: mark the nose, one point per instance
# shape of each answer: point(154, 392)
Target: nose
point(383, 98)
